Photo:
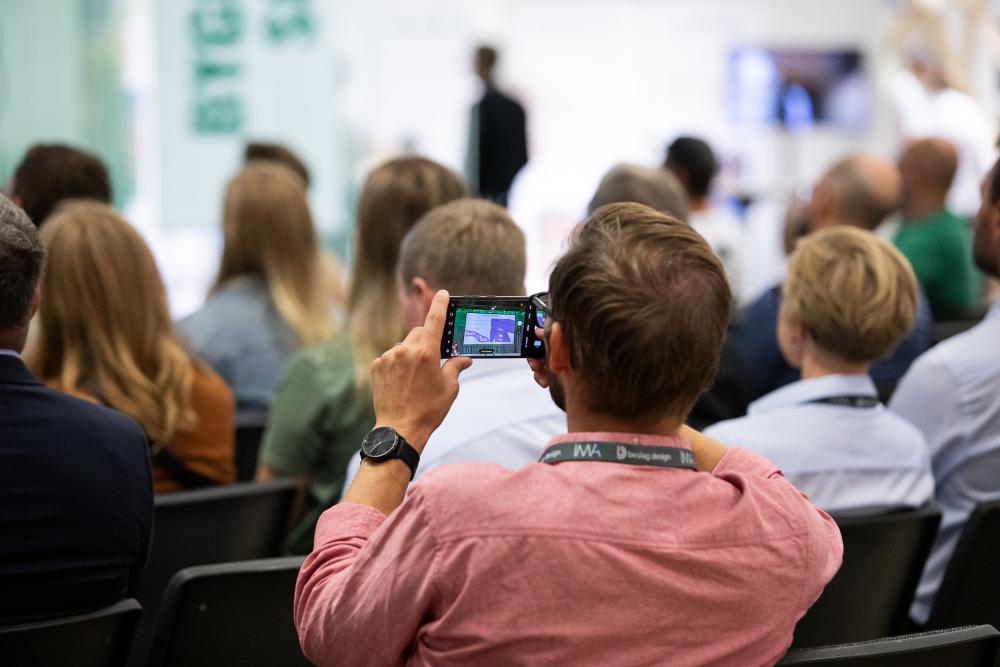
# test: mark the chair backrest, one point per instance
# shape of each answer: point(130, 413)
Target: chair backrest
point(971, 646)
point(871, 594)
point(96, 639)
point(247, 448)
point(219, 525)
point(970, 589)
point(231, 614)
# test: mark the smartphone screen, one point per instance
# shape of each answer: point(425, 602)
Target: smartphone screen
point(494, 327)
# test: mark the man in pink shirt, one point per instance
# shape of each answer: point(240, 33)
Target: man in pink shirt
point(634, 540)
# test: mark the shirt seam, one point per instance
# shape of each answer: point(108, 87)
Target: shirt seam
point(571, 535)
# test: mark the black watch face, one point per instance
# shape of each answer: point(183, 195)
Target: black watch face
point(380, 443)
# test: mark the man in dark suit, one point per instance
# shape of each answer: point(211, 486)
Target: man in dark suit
point(498, 139)
point(76, 498)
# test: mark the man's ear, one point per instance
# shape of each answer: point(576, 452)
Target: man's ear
point(558, 353)
point(35, 302)
point(424, 293)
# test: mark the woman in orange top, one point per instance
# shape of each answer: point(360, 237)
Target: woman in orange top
point(104, 333)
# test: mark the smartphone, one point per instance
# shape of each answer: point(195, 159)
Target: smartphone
point(491, 327)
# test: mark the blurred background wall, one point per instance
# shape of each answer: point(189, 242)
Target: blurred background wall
point(168, 91)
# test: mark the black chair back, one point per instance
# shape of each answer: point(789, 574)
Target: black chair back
point(219, 525)
point(970, 588)
point(870, 596)
point(231, 614)
point(247, 447)
point(971, 646)
point(96, 639)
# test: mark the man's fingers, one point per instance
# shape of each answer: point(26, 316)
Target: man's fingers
point(414, 337)
point(434, 323)
point(454, 366)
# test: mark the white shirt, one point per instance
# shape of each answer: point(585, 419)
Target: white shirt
point(952, 394)
point(724, 234)
point(500, 416)
point(9, 353)
point(848, 460)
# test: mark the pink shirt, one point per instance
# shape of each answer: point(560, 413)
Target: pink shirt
point(575, 563)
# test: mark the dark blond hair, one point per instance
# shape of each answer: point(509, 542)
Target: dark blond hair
point(395, 195)
point(644, 303)
point(855, 294)
point(268, 231)
point(104, 327)
point(469, 246)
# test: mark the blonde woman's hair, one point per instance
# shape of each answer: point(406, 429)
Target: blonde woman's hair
point(855, 294)
point(268, 231)
point(394, 197)
point(104, 326)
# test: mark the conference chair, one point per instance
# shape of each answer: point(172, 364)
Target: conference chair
point(217, 525)
point(970, 588)
point(971, 646)
point(229, 614)
point(870, 596)
point(96, 639)
point(247, 448)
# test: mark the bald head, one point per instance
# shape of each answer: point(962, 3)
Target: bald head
point(928, 168)
point(656, 188)
point(859, 190)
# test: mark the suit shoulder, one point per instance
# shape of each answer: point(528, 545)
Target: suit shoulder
point(91, 417)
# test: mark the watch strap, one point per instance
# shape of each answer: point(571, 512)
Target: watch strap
point(409, 456)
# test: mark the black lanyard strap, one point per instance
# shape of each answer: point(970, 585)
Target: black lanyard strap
point(849, 401)
point(620, 452)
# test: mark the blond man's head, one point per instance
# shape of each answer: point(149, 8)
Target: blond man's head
point(851, 293)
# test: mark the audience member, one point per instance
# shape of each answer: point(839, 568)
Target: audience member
point(501, 415)
point(952, 394)
point(270, 152)
point(692, 161)
point(323, 407)
point(849, 298)
point(660, 190)
point(51, 173)
point(630, 518)
point(76, 499)
point(936, 241)
point(654, 188)
point(498, 139)
point(104, 334)
point(859, 191)
point(268, 299)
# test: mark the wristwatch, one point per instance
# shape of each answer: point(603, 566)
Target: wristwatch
point(385, 443)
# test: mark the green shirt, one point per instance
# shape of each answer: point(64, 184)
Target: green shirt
point(939, 246)
point(317, 420)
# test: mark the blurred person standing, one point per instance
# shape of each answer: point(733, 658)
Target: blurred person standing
point(936, 241)
point(694, 164)
point(104, 334)
point(848, 299)
point(860, 191)
point(323, 405)
point(51, 173)
point(952, 394)
point(498, 140)
point(269, 298)
point(76, 497)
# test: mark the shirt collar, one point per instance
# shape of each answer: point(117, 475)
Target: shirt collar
point(805, 391)
point(994, 310)
point(9, 353)
point(625, 438)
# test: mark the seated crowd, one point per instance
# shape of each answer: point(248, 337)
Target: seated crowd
point(590, 524)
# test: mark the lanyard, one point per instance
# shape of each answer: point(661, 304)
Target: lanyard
point(619, 452)
point(852, 401)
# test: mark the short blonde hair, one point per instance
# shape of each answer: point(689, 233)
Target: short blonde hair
point(855, 294)
point(469, 247)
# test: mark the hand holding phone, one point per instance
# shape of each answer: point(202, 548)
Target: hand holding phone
point(491, 327)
